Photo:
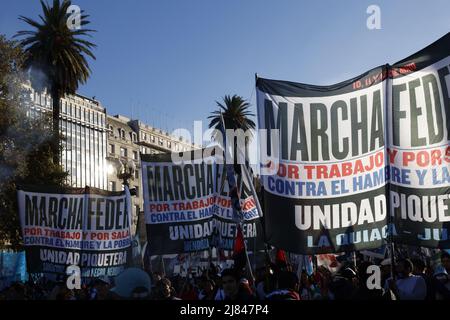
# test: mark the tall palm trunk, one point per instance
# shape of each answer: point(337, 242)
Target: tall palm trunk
point(56, 97)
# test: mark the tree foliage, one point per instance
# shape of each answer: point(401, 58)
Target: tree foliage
point(26, 142)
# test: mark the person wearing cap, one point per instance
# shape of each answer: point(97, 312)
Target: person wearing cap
point(133, 284)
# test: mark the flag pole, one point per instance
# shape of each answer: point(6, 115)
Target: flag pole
point(236, 201)
point(388, 202)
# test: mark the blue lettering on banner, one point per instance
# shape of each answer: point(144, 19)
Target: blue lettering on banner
point(369, 180)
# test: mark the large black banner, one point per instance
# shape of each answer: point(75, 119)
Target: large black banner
point(188, 207)
point(84, 227)
point(327, 192)
point(346, 156)
point(419, 150)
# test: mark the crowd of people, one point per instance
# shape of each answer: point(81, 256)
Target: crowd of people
point(413, 280)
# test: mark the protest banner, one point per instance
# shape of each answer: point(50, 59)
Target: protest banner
point(419, 150)
point(84, 227)
point(355, 156)
point(187, 205)
point(328, 193)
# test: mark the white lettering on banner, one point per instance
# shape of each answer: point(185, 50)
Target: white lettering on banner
point(328, 128)
point(66, 212)
point(341, 215)
point(83, 259)
point(433, 208)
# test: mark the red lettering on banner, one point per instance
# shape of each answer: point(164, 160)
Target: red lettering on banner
point(426, 158)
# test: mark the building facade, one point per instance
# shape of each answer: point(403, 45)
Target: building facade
point(83, 125)
point(126, 140)
point(152, 140)
point(122, 150)
point(96, 145)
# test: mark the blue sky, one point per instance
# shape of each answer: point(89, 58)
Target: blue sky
point(167, 62)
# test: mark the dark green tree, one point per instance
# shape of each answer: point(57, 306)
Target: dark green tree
point(26, 142)
point(57, 52)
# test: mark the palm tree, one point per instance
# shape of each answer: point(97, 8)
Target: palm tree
point(235, 113)
point(59, 53)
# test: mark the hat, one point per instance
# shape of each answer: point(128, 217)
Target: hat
point(129, 280)
point(386, 262)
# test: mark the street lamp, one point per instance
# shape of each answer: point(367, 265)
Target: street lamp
point(125, 172)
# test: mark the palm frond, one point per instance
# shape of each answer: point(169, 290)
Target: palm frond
point(60, 52)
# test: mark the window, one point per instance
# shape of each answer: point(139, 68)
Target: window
point(112, 149)
point(133, 137)
point(135, 155)
point(144, 150)
point(169, 145)
point(123, 152)
point(161, 141)
point(112, 186)
point(152, 137)
point(144, 136)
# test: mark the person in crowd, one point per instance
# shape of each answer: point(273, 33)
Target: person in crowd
point(188, 292)
point(208, 289)
point(322, 278)
point(441, 283)
point(407, 286)
point(131, 284)
point(246, 286)
point(155, 278)
point(342, 285)
point(165, 290)
point(231, 289)
point(385, 268)
point(287, 287)
point(419, 269)
point(308, 290)
point(445, 261)
point(100, 288)
point(65, 294)
point(267, 281)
